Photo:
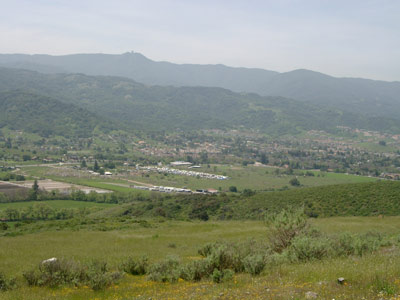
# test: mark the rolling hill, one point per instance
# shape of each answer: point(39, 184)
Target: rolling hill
point(187, 108)
point(374, 98)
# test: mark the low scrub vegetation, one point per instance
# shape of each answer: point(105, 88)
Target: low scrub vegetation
point(290, 239)
point(64, 272)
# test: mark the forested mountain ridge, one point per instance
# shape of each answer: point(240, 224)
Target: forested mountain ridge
point(21, 110)
point(187, 108)
point(375, 98)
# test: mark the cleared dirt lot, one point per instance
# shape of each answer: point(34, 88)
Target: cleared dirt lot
point(12, 190)
point(50, 185)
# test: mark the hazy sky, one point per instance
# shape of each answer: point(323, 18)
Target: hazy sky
point(357, 38)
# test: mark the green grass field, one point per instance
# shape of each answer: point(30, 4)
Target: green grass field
point(290, 281)
point(250, 177)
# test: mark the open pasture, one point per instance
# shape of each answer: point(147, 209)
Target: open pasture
point(246, 177)
point(365, 276)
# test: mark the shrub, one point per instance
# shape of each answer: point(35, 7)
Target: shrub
point(196, 270)
point(3, 226)
point(69, 272)
point(284, 227)
point(56, 273)
point(347, 244)
point(254, 264)
point(225, 256)
point(99, 277)
point(367, 243)
point(165, 271)
point(222, 276)
point(308, 248)
point(208, 248)
point(294, 182)
point(136, 266)
point(6, 283)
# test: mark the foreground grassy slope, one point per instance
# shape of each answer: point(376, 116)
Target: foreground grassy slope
point(284, 282)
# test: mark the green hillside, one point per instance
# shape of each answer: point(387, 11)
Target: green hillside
point(375, 98)
point(186, 108)
point(26, 111)
point(359, 199)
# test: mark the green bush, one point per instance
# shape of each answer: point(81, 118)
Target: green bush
point(99, 277)
point(136, 266)
point(254, 264)
point(305, 248)
point(57, 273)
point(63, 272)
point(165, 271)
point(6, 283)
point(283, 227)
point(196, 270)
point(222, 276)
point(347, 244)
point(224, 256)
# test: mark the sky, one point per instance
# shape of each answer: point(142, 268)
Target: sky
point(353, 38)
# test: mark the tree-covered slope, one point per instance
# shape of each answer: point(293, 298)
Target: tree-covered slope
point(187, 108)
point(359, 199)
point(376, 98)
point(29, 112)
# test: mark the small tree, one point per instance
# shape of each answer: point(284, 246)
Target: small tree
point(294, 182)
point(264, 159)
point(233, 189)
point(96, 166)
point(83, 163)
point(35, 191)
point(283, 227)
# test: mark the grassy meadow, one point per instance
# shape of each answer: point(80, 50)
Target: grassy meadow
point(373, 276)
point(243, 177)
point(248, 177)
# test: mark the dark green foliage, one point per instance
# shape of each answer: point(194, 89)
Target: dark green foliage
point(294, 182)
point(135, 266)
point(222, 276)
point(6, 283)
point(233, 189)
point(359, 199)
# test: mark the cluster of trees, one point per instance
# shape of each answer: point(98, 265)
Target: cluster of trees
point(42, 211)
point(12, 176)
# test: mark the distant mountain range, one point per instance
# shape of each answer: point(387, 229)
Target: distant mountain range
point(45, 103)
point(368, 97)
